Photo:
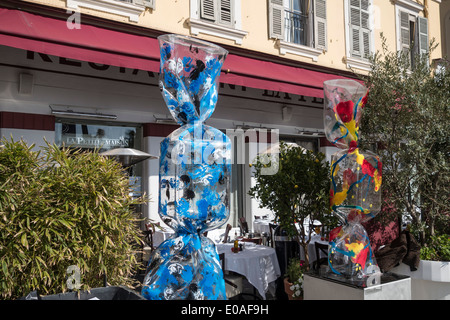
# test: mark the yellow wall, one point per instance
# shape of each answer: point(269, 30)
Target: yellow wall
point(335, 36)
point(384, 22)
point(172, 16)
point(434, 26)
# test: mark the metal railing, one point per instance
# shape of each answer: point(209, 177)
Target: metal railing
point(295, 24)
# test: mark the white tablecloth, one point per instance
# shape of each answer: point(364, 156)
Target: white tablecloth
point(257, 263)
point(312, 248)
point(261, 225)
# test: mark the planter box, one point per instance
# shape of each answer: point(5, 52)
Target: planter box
point(392, 287)
point(102, 293)
point(431, 280)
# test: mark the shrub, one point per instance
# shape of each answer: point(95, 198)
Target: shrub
point(406, 119)
point(59, 209)
point(436, 249)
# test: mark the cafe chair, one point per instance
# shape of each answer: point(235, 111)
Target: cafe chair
point(233, 282)
point(243, 225)
point(225, 235)
point(148, 234)
point(320, 247)
point(272, 227)
point(147, 243)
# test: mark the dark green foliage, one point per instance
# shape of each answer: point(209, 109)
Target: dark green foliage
point(59, 208)
point(406, 117)
point(297, 191)
point(436, 249)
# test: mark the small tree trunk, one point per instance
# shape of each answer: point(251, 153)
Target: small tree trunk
point(305, 249)
point(302, 244)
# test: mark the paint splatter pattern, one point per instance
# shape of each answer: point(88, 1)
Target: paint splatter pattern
point(356, 175)
point(195, 168)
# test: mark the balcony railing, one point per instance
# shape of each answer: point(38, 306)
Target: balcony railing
point(295, 24)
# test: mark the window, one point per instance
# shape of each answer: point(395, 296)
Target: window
point(96, 135)
point(296, 22)
point(359, 35)
point(221, 18)
point(413, 35)
point(299, 25)
point(128, 8)
point(359, 29)
point(412, 29)
point(101, 136)
point(217, 11)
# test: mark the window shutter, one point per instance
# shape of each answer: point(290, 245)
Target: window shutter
point(366, 44)
point(208, 9)
point(276, 19)
point(423, 34)
point(355, 27)
point(404, 32)
point(320, 24)
point(360, 32)
point(365, 29)
point(226, 12)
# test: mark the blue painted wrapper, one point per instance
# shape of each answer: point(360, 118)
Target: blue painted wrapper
point(194, 175)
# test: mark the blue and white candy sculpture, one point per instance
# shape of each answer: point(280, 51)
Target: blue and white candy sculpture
point(194, 175)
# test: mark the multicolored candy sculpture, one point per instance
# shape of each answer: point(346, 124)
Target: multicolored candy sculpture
point(194, 176)
point(355, 195)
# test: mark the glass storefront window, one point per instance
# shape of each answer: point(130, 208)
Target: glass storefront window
point(101, 136)
point(98, 136)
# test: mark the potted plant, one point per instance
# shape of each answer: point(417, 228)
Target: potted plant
point(293, 280)
point(297, 193)
point(437, 249)
point(405, 117)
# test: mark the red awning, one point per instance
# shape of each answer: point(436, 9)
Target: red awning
point(51, 36)
point(28, 31)
point(272, 76)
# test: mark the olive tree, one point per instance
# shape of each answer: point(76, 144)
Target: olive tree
point(406, 121)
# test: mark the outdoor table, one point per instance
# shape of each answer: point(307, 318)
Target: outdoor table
point(257, 263)
point(261, 225)
point(256, 240)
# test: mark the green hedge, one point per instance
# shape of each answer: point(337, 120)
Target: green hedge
point(61, 208)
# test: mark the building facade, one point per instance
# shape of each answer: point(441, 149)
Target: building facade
point(85, 72)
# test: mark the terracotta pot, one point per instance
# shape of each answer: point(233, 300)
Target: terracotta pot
point(289, 292)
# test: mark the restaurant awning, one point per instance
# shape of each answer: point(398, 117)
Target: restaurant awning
point(52, 36)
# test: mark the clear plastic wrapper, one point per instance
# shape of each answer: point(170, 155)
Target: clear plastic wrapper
point(195, 171)
point(356, 175)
